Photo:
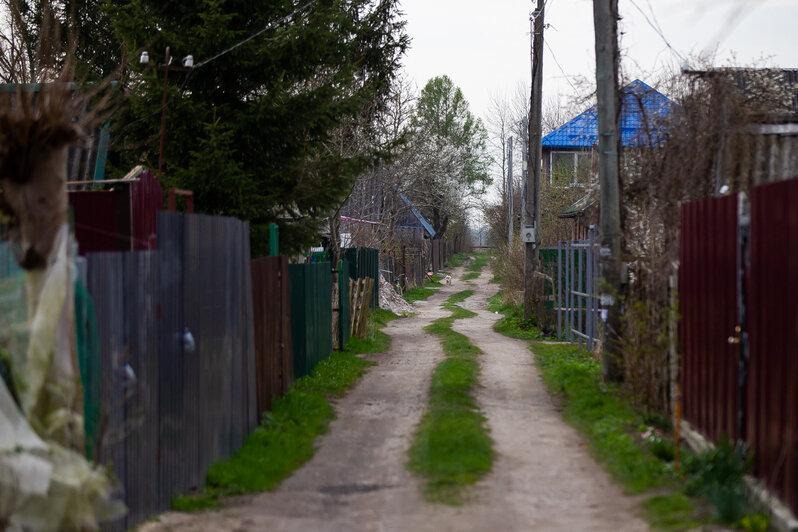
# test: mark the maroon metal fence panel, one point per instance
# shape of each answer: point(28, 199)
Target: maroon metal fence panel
point(772, 316)
point(271, 305)
point(146, 198)
point(708, 303)
point(102, 220)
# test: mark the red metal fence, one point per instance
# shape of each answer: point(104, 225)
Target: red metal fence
point(772, 371)
point(708, 301)
point(274, 363)
point(713, 248)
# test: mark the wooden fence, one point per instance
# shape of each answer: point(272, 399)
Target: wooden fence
point(737, 290)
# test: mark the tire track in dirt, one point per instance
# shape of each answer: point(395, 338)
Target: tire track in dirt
point(542, 476)
point(357, 479)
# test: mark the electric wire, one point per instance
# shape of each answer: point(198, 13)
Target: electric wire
point(180, 89)
point(658, 30)
point(567, 78)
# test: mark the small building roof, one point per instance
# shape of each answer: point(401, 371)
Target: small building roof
point(424, 223)
point(579, 207)
point(641, 107)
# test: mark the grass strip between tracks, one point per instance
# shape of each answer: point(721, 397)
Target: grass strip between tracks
point(284, 440)
point(452, 449)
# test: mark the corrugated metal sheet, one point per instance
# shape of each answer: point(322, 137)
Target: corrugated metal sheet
point(708, 303)
point(102, 220)
point(146, 197)
point(274, 363)
point(311, 315)
point(364, 262)
point(641, 107)
point(181, 318)
point(772, 372)
point(344, 312)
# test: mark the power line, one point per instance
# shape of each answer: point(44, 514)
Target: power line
point(567, 78)
point(656, 27)
point(257, 33)
point(182, 87)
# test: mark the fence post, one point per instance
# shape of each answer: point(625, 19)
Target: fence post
point(274, 240)
point(589, 291)
point(570, 292)
point(559, 290)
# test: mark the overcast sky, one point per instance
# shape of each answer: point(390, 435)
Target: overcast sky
point(483, 45)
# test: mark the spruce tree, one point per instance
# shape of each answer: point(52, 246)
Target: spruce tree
point(251, 131)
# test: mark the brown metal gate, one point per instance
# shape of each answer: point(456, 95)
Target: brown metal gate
point(726, 254)
point(772, 324)
point(708, 302)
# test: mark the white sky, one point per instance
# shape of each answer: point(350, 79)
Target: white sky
point(483, 45)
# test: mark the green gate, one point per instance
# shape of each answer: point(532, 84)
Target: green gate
point(311, 315)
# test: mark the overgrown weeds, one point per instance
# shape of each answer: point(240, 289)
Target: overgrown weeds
point(452, 448)
point(284, 439)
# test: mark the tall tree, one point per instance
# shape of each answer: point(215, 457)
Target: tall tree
point(452, 166)
point(267, 111)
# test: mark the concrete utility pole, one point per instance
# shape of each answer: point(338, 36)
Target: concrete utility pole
point(532, 204)
point(605, 19)
point(510, 192)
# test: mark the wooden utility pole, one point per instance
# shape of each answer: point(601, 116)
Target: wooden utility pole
point(510, 192)
point(532, 203)
point(605, 19)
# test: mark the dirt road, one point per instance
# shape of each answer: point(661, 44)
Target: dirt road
point(542, 478)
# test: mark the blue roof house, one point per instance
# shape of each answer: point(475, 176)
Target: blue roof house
point(568, 151)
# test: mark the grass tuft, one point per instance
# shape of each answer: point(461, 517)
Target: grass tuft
point(428, 287)
point(513, 323)
point(457, 260)
point(452, 448)
point(671, 512)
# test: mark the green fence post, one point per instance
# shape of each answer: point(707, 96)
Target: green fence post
point(274, 240)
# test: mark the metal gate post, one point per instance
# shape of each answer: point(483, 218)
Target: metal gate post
point(743, 234)
point(589, 290)
point(570, 293)
point(559, 290)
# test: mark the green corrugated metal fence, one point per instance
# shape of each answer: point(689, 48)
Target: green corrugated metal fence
point(365, 262)
point(311, 315)
point(344, 314)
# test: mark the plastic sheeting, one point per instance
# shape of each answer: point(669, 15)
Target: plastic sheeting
point(45, 481)
point(44, 486)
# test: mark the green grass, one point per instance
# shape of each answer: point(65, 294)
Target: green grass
point(452, 448)
point(479, 262)
point(513, 323)
point(671, 512)
point(457, 260)
point(284, 440)
point(417, 293)
point(375, 341)
point(470, 276)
